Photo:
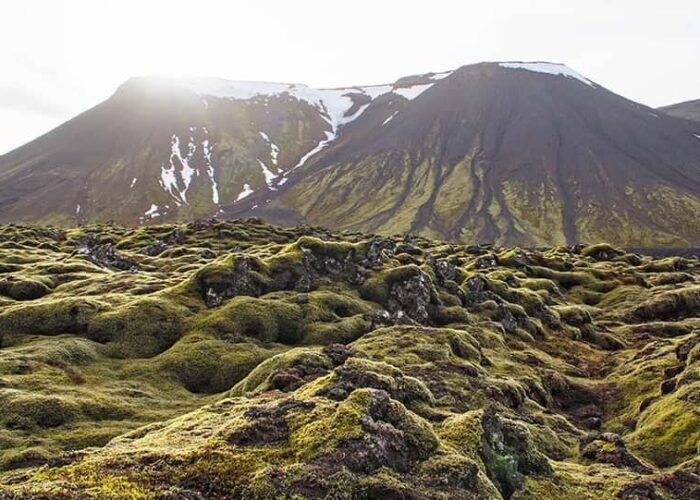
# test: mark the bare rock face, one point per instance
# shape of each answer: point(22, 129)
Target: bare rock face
point(509, 454)
point(413, 297)
point(242, 278)
point(609, 448)
point(156, 249)
point(106, 255)
point(389, 439)
point(267, 423)
point(677, 484)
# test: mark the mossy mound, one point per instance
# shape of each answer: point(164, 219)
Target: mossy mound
point(234, 359)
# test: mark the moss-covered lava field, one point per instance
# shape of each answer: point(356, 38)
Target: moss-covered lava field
point(242, 360)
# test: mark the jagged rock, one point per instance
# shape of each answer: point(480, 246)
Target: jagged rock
point(241, 279)
point(338, 353)
point(413, 297)
point(106, 255)
point(486, 261)
point(379, 250)
point(268, 424)
point(390, 439)
point(679, 484)
point(177, 236)
point(476, 290)
point(508, 453)
point(357, 373)
point(302, 371)
point(156, 249)
point(444, 271)
point(609, 448)
point(383, 318)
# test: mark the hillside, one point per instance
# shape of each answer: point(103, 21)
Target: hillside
point(511, 153)
point(235, 359)
point(690, 110)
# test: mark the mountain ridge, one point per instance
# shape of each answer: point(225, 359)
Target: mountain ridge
point(495, 151)
point(689, 110)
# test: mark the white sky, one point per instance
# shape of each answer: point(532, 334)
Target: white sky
point(60, 58)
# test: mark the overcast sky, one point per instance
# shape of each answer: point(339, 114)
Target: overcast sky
point(60, 58)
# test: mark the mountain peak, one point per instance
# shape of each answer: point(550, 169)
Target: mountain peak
point(550, 68)
point(512, 152)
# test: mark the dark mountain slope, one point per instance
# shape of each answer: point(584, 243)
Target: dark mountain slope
point(690, 110)
point(510, 155)
point(516, 153)
point(153, 150)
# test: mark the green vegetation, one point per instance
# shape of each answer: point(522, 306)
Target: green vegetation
point(250, 361)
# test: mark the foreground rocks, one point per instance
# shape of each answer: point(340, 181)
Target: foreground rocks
point(241, 360)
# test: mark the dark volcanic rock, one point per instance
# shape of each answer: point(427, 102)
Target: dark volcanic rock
point(609, 448)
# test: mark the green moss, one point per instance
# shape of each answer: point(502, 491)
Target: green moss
point(260, 378)
point(142, 328)
point(517, 365)
point(209, 365)
point(575, 481)
point(342, 331)
point(672, 304)
point(25, 289)
point(51, 317)
point(339, 250)
point(668, 432)
point(267, 320)
point(566, 279)
point(463, 434)
point(26, 411)
point(603, 251)
point(378, 287)
point(332, 425)
point(574, 315)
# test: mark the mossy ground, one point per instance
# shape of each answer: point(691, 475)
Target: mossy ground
point(243, 360)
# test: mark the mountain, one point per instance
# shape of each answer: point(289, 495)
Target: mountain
point(238, 360)
point(515, 153)
point(690, 110)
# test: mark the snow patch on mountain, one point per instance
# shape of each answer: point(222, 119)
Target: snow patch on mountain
point(206, 149)
point(274, 150)
point(548, 68)
point(390, 118)
point(152, 212)
point(332, 104)
point(176, 177)
point(269, 175)
point(375, 91)
point(413, 91)
point(441, 75)
point(247, 191)
point(329, 138)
